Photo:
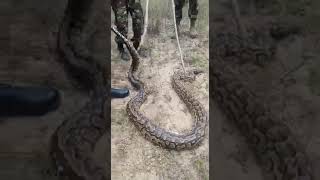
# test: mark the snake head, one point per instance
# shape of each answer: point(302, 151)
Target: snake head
point(189, 75)
point(197, 71)
point(194, 72)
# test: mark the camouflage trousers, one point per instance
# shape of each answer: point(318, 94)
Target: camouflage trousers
point(192, 12)
point(121, 9)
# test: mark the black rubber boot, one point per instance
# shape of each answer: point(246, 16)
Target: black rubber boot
point(27, 101)
point(142, 51)
point(135, 43)
point(193, 31)
point(173, 36)
point(123, 53)
point(119, 93)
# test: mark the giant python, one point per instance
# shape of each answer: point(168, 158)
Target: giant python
point(149, 130)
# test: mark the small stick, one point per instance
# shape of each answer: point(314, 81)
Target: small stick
point(177, 37)
point(145, 25)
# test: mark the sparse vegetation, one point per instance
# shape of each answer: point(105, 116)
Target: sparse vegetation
point(198, 62)
point(161, 15)
point(200, 165)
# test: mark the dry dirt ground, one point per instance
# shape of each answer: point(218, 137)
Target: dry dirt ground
point(27, 43)
point(295, 100)
point(132, 156)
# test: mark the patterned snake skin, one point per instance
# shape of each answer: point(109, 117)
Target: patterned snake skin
point(75, 139)
point(274, 144)
point(73, 143)
point(149, 130)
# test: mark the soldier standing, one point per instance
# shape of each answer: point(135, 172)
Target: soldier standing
point(192, 13)
point(121, 9)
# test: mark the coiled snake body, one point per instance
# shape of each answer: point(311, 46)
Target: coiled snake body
point(276, 147)
point(150, 131)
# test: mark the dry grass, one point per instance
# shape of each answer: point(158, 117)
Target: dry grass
point(161, 15)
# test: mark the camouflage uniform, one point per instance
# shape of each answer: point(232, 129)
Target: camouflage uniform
point(121, 8)
point(192, 13)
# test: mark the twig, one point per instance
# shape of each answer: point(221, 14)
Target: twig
point(177, 37)
point(145, 25)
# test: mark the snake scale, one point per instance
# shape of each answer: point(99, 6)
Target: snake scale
point(275, 146)
point(150, 131)
point(73, 142)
